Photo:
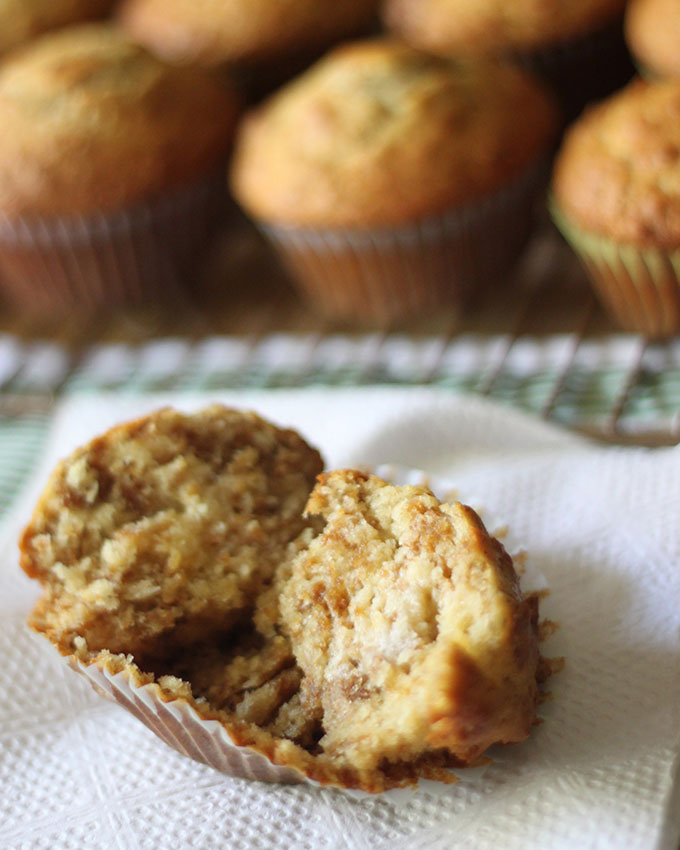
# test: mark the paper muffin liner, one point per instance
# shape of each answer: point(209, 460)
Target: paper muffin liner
point(582, 69)
point(380, 276)
point(639, 287)
point(181, 725)
point(125, 258)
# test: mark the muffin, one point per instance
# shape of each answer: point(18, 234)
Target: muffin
point(575, 45)
point(653, 35)
point(107, 170)
point(182, 579)
point(168, 524)
point(23, 20)
point(260, 43)
point(616, 197)
point(409, 626)
point(391, 181)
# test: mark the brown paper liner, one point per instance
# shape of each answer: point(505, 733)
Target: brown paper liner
point(126, 258)
point(639, 287)
point(383, 276)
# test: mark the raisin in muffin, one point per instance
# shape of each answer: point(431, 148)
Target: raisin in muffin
point(392, 182)
point(616, 197)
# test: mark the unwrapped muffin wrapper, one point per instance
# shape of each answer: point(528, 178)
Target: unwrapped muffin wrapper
point(182, 727)
point(179, 725)
point(639, 287)
point(379, 276)
point(125, 258)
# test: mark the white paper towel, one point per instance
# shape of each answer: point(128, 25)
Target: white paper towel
point(600, 772)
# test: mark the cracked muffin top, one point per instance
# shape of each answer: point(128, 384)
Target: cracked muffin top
point(653, 35)
point(496, 26)
point(165, 529)
point(215, 32)
point(618, 172)
point(92, 122)
point(408, 623)
point(378, 133)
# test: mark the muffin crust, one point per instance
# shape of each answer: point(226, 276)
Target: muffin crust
point(215, 32)
point(653, 35)
point(496, 26)
point(618, 172)
point(23, 20)
point(380, 134)
point(92, 122)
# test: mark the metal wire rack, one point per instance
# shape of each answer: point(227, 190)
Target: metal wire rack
point(538, 341)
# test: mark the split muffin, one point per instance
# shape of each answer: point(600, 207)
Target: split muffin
point(108, 160)
point(653, 35)
point(379, 639)
point(393, 182)
point(575, 45)
point(616, 198)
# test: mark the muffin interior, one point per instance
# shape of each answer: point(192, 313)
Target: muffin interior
point(408, 622)
point(379, 638)
point(164, 530)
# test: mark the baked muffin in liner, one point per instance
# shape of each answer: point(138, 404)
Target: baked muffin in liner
point(386, 275)
point(108, 160)
point(393, 181)
point(125, 258)
point(639, 287)
point(190, 725)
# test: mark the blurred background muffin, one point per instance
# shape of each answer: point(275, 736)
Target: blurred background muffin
point(616, 190)
point(108, 160)
point(575, 45)
point(653, 35)
point(392, 181)
point(23, 20)
point(261, 42)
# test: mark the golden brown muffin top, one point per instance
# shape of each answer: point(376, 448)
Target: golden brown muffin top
point(378, 133)
point(23, 20)
point(653, 35)
point(493, 26)
point(214, 32)
point(92, 122)
point(618, 172)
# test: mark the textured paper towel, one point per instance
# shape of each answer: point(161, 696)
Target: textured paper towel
point(600, 524)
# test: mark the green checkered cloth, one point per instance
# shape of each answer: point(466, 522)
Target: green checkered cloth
point(592, 385)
